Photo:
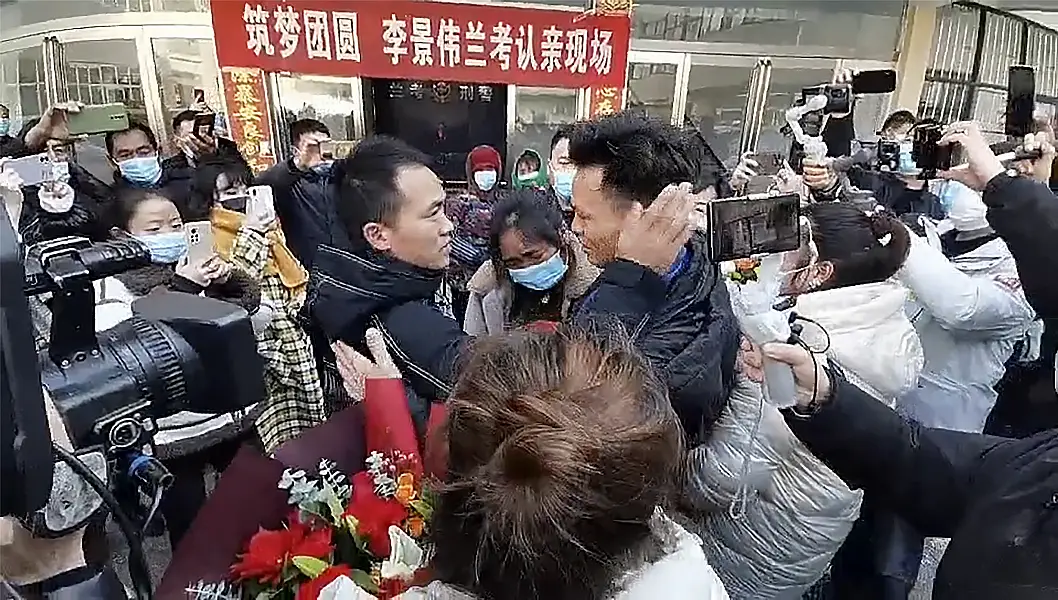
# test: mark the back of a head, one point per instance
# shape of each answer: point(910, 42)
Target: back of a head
point(561, 446)
point(899, 120)
point(365, 183)
point(639, 154)
point(863, 248)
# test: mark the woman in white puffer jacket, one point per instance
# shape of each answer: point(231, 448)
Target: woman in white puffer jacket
point(770, 513)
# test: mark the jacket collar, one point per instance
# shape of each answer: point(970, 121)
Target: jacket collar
point(363, 284)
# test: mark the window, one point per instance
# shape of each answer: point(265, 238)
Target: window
point(652, 88)
point(103, 72)
point(184, 66)
point(716, 99)
point(965, 81)
point(329, 100)
point(861, 29)
point(539, 113)
point(30, 12)
point(22, 85)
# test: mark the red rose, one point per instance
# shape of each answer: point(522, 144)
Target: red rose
point(373, 514)
point(270, 551)
point(310, 590)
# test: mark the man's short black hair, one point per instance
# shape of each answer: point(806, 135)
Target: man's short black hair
point(366, 184)
point(303, 126)
point(900, 118)
point(639, 154)
point(183, 117)
point(133, 126)
point(563, 133)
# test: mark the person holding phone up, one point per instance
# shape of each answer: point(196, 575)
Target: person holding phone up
point(247, 234)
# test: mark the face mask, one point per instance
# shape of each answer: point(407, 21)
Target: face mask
point(143, 170)
point(5, 126)
point(166, 248)
point(485, 180)
point(907, 163)
point(236, 203)
point(324, 167)
point(564, 184)
point(543, 276)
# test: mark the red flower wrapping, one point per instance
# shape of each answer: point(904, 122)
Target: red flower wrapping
point(270, 551)
point(374, 515)
point(310, 590)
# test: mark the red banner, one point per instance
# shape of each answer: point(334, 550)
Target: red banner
point(606, 101)
point(433, 41)
point(248, 120)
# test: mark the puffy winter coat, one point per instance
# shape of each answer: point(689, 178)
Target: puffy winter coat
point(969, 313)
point(771, 514)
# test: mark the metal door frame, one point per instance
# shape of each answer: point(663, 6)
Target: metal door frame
point(679, 92)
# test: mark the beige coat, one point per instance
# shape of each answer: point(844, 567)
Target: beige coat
point(490, 300)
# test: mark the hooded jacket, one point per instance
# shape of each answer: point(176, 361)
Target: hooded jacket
point(539, 182)
point(764, 504)
point(969, 313)
point(471, 216)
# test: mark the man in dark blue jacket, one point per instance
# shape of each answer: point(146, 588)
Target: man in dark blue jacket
point(300, 189)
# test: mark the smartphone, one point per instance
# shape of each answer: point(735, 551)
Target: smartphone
point(1021, 100)
point(768, 163)
point(746, 226)
point(261, 201)
point(199, 241)
point(328, 149)
point(198, 96)
point(204, 123)
point(881, 81)
point(928, 155)
point(99, 118)
point(32, 170)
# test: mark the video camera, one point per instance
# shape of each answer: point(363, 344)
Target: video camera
point(177, 352)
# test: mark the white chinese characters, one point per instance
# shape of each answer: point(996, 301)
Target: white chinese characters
point(289, 26)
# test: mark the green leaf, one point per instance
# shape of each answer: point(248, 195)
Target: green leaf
point(333, 503)
point(423, 508)
point(310, 566)
point(363, 579)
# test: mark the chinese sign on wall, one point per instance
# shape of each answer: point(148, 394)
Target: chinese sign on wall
point(249, 123)
point(411, 39)
point(605, 101)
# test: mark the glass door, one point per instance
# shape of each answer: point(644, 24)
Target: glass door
point(653, 82)
point(788, 77)
point(715, 101)
point(870, 110)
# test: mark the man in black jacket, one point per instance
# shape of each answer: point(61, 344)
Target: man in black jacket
point(623, 162)
point(300, 189)
point(390, 204)
point(997, 499)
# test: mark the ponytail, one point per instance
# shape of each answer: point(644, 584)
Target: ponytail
point(863, 248)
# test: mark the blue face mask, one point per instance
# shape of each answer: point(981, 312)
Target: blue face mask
point(907, 162)
point(324, 168)
point(543, 276)
point(486, 180)
point(5, 126)
point(166, 248)
point(564, 184)
point(143, 171)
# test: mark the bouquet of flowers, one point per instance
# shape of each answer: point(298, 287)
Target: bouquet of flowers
point(359, 539)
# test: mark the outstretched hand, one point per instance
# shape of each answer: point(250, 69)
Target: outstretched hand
point(355, 368)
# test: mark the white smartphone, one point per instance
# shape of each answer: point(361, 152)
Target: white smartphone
point(261, 202)
point(199, 241)
point(32, 170)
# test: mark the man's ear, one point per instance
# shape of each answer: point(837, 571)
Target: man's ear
point(378, 236)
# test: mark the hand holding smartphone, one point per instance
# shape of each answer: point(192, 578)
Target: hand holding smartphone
point(260, 208)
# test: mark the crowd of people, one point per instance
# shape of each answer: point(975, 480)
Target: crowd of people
point(606, 430)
